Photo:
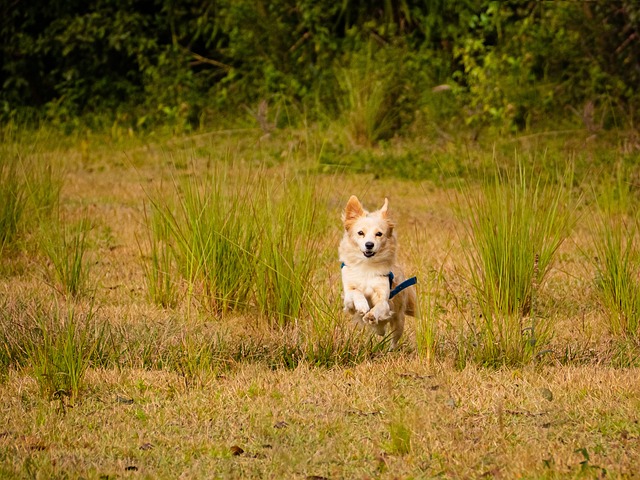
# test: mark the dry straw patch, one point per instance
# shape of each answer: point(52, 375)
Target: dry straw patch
point(335, 423)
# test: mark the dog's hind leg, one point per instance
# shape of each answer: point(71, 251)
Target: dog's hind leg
point(396, 327)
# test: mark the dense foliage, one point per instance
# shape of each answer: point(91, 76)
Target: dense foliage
point(510, 63)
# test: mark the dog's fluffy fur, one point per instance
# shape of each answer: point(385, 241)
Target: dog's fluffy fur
point(368, 254)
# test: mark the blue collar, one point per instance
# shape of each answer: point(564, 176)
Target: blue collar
point(394, 291)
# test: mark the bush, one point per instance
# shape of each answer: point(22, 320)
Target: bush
point(511, 64)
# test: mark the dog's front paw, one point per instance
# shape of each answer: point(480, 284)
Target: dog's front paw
point(361, 305)
point(349, 306)
point(370, 318)
point(379, 313)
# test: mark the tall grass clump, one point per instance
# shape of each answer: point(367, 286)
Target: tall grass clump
point(159, 263)
point(12, 204)
point(211, 235)
point(64, 352)
point(515, 224)
point(65, 246)
point(617, 255)
point(239, 239)
point(55, 344)
point(292, 228)
point(368, 100)
point(427, 314)
point(29, 191)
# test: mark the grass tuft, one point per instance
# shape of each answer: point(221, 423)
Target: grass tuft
point(617, 259)
point(58, 345)
point(399, 438)
point(29, 192)
point(427, 314)
point(203, 226)
point(159, 265)
point(239, 244)
point(65, 247)
point(12, 205)
point(515, 225)
point(367, 103)
point(291, 228)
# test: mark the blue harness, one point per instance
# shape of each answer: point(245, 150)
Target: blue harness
point(394, 291)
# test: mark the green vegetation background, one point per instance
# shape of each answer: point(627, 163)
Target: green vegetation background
point(430, 64)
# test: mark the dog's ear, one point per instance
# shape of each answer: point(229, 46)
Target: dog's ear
point(384, 213)
point(352, 211)
point(385, 208)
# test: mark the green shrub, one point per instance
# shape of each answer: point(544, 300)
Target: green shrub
point(179, 63)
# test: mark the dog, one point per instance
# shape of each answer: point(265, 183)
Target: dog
point(375, 289)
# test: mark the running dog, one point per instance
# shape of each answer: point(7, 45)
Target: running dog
point(375, 289)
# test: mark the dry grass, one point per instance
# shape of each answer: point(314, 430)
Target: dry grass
point(189, 394)
point(332, 423)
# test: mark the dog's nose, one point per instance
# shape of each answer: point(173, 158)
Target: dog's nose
point(369, 245)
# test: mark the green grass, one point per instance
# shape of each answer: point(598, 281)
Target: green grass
point(203, 226)
point(616, 262)
point(292, 225)
point(158, 262)
point(176, 360)
point(516, 223)
point(12, 196)
point(29, 193)
point(240, 242)
point(399, 438)
point(617, 253)
point(427, 317)
point(56, 344)
point(367, 103)
point(65, 247)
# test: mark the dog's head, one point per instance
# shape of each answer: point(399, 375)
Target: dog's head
point(370, 231)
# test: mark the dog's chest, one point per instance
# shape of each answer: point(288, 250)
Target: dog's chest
point(366, 281)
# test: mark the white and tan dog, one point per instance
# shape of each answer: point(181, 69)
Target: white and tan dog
point(369, 271)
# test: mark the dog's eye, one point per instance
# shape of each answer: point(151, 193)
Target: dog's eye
point(361, 233)
point(379, 234)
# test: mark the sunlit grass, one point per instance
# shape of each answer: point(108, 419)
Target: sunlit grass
point(514, 224)
point(367, 103)
point(203, 224)
point(65, 246)
point(159, 263)
point(427, 320)
point(57, 344)
point(292, 225)
point(164, 378)
point(617, 253)
point(29, 193)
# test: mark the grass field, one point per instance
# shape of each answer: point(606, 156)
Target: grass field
point(170, 308)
